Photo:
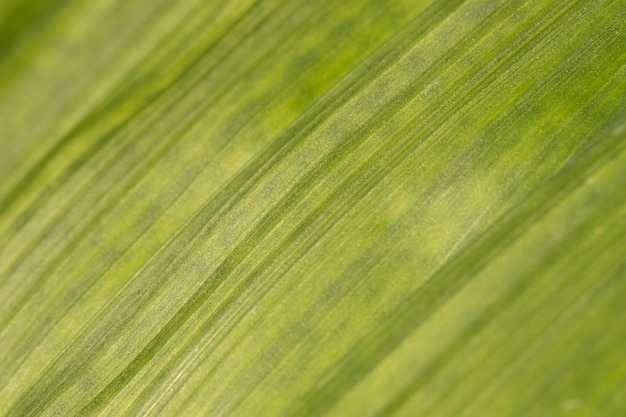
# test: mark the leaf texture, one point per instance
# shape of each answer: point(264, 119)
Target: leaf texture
point(313, 208)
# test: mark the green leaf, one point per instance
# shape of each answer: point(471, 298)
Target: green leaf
point(313, 208)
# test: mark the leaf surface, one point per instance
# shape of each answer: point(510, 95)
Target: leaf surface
point(313, 208)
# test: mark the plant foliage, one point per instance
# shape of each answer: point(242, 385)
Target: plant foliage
point(313, 208)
